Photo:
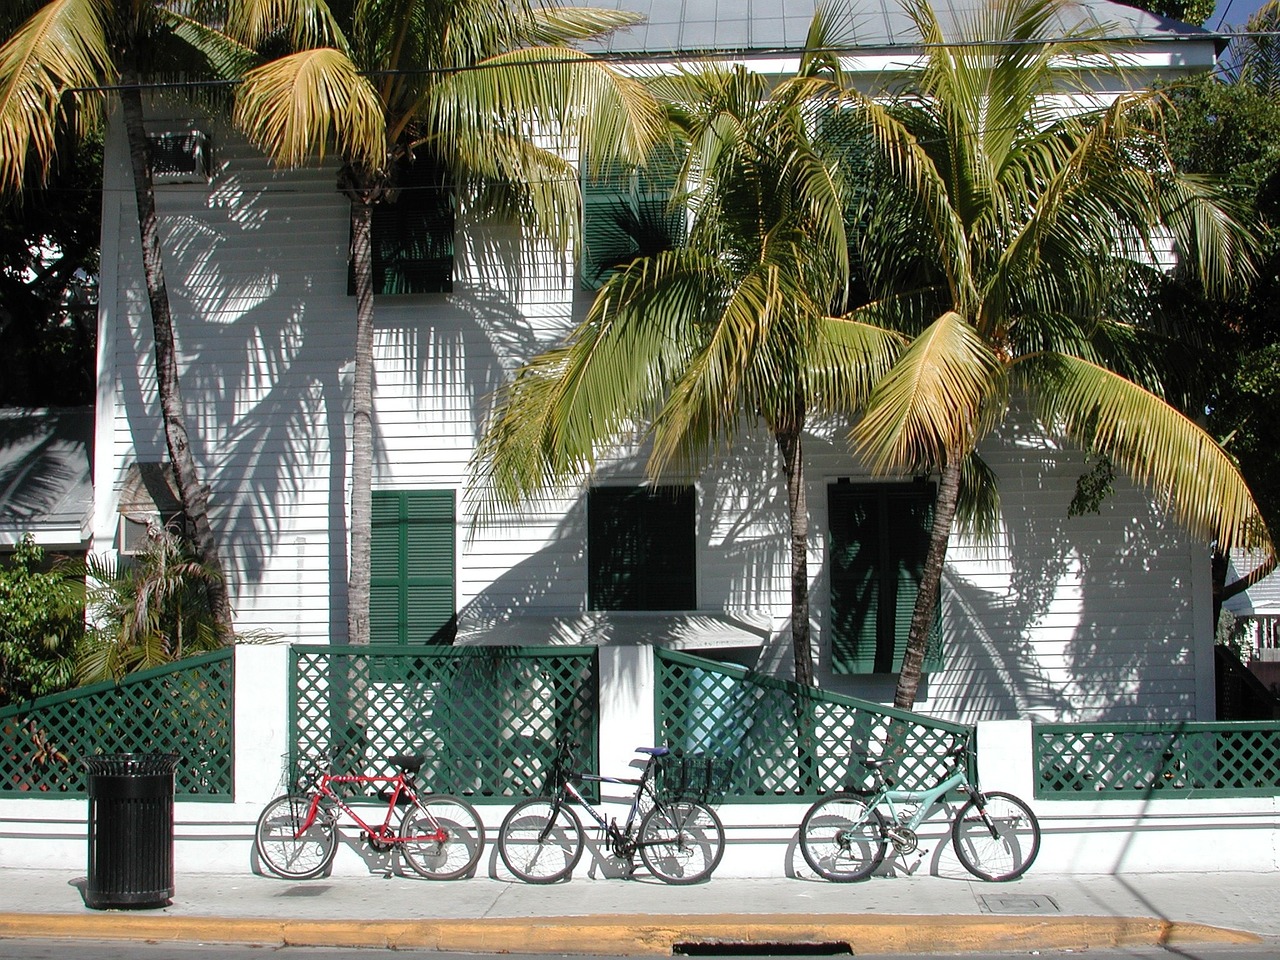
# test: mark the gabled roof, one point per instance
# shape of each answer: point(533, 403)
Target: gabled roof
point(46, 486)
point(1260, 600)
point(762, 26)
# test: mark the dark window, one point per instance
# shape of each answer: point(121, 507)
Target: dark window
point(412, 569)
point(879, 538)
point(412, 235)
point(626, 214)
point(640, 548)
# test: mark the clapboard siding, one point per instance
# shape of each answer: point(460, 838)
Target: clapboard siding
point(1059, 617)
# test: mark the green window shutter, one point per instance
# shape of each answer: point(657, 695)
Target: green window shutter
point(878, 543)
point(412, 569)
point(608, 204)
point(855, 585)
point(413, 236)
point(626, 214)
point(641, 548)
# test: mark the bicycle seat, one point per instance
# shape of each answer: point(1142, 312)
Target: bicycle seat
point(654, 751)
point(876, 763)
point(408, 762)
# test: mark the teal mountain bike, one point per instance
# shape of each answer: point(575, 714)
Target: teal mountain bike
point(845, 836)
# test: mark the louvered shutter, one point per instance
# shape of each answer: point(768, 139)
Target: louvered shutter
point(412, 571)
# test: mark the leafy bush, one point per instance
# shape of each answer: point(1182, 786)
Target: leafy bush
point(148, 612)
point(41, 625)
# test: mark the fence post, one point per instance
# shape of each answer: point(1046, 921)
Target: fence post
point(261, 719)
point(1005, 760)
point(626, 706)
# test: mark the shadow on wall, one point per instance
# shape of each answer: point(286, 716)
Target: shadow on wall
point(1070, 618)
point(265, 326)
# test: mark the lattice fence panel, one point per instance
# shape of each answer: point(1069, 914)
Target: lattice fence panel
point(789, 742)
point(1127, 761)
point(185, 708)
point(487, 718)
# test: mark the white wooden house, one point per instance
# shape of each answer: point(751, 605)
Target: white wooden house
point(1098, 617)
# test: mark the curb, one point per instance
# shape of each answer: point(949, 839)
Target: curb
point(638, 935)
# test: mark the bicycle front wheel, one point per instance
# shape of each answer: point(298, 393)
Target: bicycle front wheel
point(441, 837)
point(681, 842)
point(540, 841)
point(996, 836)
point(285, 848)
point(843, 838)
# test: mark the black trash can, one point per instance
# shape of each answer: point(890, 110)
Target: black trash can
point(130, 830)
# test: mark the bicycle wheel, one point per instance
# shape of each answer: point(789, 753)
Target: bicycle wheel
point(540, 841)
point(682, 841)
point(999, 845)
point(283, 850)
point(842, 838)
point(441, 837)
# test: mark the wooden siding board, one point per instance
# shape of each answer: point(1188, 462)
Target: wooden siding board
point(1060, 617)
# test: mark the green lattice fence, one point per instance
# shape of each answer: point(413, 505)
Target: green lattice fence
point(789, 742)
point(1081, 761)
point(184, 708)
point(486, 718)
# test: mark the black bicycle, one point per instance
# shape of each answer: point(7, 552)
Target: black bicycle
point(679, 838)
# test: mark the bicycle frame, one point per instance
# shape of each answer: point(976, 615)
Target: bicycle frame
point(381, 833)
point(619, 838)
point(925, 800)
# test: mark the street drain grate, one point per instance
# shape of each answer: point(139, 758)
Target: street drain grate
point(833, 948)
point(1014, 903)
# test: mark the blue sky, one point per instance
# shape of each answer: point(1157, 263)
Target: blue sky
point(1232, 13)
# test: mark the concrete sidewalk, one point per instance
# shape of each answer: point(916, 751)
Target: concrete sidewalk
point(642, 916)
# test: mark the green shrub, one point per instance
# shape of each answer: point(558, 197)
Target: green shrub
point(41, 625)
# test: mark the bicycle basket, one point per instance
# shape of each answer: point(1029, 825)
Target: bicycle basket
point(694, 776)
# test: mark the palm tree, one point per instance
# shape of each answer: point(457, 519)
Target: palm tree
point(730, 328)
point(56, 71)
point(1027, 224)
point(463, 84)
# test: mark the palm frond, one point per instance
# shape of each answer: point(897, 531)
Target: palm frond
point(978, 505)
point(936, 401)
point(298, 106)
point(1160, 447)
point(595, 110)
point(559, 25)
point(301, 24)
point(226, 57)
point(63, 47)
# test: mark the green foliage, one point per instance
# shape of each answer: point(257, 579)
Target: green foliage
point(41, 621)
point(48, 284)
point(1234, 635)
point(1093, 487)
point(1188, 11)
point(147, 613)
point(1231, 130)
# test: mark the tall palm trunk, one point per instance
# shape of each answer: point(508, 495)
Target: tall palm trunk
point(789, 446)
point(195, 501)
point(922, 617)
point(363, 193)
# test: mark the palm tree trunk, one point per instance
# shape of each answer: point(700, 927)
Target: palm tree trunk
point(798, 516)
point(195, 499)
point(362, 416)
point(922, 617)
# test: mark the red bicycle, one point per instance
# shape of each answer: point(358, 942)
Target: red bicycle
point(439, 836)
